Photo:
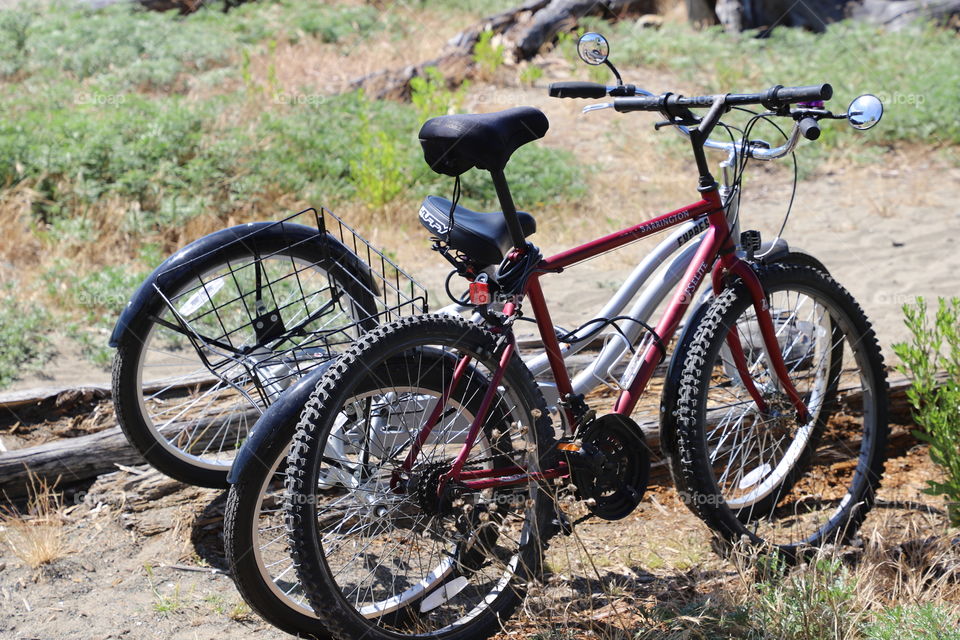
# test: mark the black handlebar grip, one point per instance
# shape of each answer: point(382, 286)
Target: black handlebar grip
point(639, 103)
point(577, 90)
point(790, 95)
point(810, 128)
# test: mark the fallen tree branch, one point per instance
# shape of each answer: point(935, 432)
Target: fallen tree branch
point(523, 31)
point(75, 460)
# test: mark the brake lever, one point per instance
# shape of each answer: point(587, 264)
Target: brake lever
point(675, 123)
point(597, 107)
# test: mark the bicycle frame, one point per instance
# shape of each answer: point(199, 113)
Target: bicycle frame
point(716, 243)
point(660, 262)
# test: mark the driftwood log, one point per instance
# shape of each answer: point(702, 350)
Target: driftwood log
point(523, 31)
point(815, 15)
point(79, 459)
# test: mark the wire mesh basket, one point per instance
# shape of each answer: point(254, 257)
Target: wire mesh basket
point(286, 297)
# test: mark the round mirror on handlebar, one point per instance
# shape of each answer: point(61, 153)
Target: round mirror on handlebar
point(864, 112)
point(593, 48)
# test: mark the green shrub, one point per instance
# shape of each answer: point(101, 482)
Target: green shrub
point(24, 344)
point(935, 349)
point(486, 56)
point(315, 150)
point(530, 75)
point(134, 48)
point(811, 603)
point(76, 152)
point(478, 7)
point(914, 622)
point(14, 33)
point(431, 97)
point(333, 24)
point(377, 172)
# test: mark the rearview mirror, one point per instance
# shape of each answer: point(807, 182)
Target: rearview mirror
point(865, 112)
point(593, 48)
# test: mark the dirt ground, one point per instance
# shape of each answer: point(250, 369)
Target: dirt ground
point(143, 555)
point(143, 558)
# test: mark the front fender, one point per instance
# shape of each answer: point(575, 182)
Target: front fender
point(277, 421)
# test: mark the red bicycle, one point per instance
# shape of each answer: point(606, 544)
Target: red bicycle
point(422, 484)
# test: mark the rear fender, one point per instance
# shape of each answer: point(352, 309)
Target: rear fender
point(195, 256)
point(277, 420)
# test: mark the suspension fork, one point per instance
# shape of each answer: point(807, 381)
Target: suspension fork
point(729, 263)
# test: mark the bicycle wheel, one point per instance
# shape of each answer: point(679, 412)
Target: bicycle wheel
point(186, 399)
point(766, 474)
point(255, 538)
point(671, 389)
point(389, 553)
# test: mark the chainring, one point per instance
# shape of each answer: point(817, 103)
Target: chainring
point(612, 468)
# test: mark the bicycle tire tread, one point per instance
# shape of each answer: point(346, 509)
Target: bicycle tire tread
point(690, 476)
point(332, 612)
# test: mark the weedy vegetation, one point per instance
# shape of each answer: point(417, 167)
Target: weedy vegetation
point(932, 360)
point(157, 129)
point(36, 534)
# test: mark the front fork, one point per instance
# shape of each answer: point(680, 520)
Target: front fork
point(730, 264)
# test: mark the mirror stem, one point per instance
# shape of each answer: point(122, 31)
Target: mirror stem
point(615, 72)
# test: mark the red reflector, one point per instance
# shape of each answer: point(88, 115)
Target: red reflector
point(479, 293)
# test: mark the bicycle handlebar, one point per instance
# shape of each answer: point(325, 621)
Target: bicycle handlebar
point(773, 98)
point(578, 90)
point(637, 99)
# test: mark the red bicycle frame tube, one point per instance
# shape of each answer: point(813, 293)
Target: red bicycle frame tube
point(717, 242)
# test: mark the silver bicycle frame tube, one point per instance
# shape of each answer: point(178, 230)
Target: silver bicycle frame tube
point(653, 295)
point(599, 371)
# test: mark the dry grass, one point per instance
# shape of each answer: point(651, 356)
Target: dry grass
point(37, 535)
point(653, 575)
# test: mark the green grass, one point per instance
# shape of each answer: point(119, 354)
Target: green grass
point(24, 344)
point(913, 622)
point(104, 129)
point(914, 70)
point(820, 601)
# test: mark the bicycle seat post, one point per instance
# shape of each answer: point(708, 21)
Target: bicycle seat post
point(508, 208)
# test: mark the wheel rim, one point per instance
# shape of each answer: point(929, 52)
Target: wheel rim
point(273, 556)
point(793, 496)
point(205, 424)
point(792, 332)
point(439, 586)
